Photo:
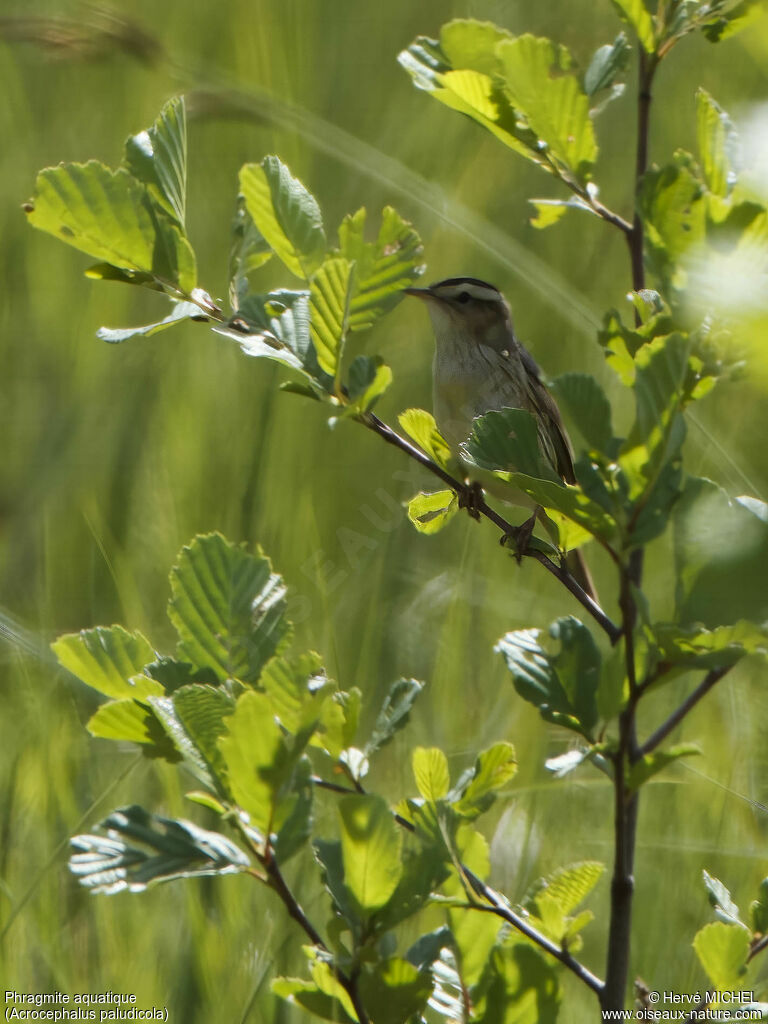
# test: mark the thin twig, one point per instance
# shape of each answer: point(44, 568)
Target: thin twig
point(711, 679)
point(480, 506)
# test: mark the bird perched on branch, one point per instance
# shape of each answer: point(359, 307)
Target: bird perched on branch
point(479, 366)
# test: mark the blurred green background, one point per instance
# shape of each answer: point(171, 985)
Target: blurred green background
point(114, 456)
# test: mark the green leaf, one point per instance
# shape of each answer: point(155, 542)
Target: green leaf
point(584, 402)
point(652, 764)
point(127, 720)
point(698, 647)
point(181, 311)
point(520, 985)
point(293, 685)
point(607, 63)
point(537, 81)
point(228, 608)
point(720, 899)
point(420, 426)
point(158, 158)
point(722, 950)
point(758, 909)
point(568, 886)
point(134, 850)
point(721, 558)
point(717, 144)
point(673, 206)
point(635, 14)
point(371, 844)
point(309, 997)
point(249, 251)
point(194, 718)
point(394, 713)
point(476, 790)
point(549, 211)
point(740, 16)
point(471, 89)
point(563, 686)
point(329, 297)
point(276, 326)
point(285, 213)
point(369, 378)
point(260, 762)
point(430, 512)
point(109, 659)
point(382, 268)
point(111, 216)
point(295, 827)
point(430, 769)
point(507, 441)
point(396, 989)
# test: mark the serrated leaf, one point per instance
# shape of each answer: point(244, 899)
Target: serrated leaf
point(369, 378)
point(285, 213)
point(228, 608)
point(607, 63)
point(260, 761)
point(394, 713)
point(158, 158)
point(740, 16)
point(382, 268)
point(721, 558)
point(421, 427)
point(492, 770)
point(717, 141)
point(311, 998)
point(109, 659)
point(720, 899)
point(397, 989)
point(563, 686)
point(635, 14)
point(698, 647)
point(430, 769)
point(521, 986)
point(507, 441)
point(370, 845)
point(537, 80)
point(194, 718)
point(129, 721)
point(430, 512)
point(110, 216)
point(134, 850)
point(652, 764)
point(722, 950)
point(181, 311)
point(329, 297)
point(674, 209)
point(584, 402)
point(569, 886)
point(292, 685)
point(248, 252)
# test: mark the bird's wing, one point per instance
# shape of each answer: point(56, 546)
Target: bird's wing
point(551, 428)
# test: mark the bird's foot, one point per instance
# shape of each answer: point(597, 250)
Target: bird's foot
point(471, 498)
point(519, 539)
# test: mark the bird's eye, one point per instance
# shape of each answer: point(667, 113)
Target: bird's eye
point(463, 297)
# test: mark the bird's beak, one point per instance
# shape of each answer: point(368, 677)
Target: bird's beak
point(419, 293)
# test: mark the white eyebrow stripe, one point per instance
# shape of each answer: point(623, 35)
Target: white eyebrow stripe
point(485, 293)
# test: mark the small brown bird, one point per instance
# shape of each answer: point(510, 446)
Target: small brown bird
point(479, 366)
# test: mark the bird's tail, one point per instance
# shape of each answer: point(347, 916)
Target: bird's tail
point(578, 568)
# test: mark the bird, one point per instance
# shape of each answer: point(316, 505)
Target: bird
point(479, 366)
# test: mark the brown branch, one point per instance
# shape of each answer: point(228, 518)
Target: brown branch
point(479, 505)
point(711, 679)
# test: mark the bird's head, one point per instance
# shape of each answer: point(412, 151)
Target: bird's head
point(467, 309)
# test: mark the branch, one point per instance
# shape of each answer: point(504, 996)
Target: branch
point(278, 883)
point(498, 906)
point(711, 679)
point(497, 903)
point(484, 509)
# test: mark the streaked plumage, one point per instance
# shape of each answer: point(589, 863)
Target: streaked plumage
point(479, 365)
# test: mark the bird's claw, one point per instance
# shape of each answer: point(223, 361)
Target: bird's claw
point(519, 538)
point(471, 498)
